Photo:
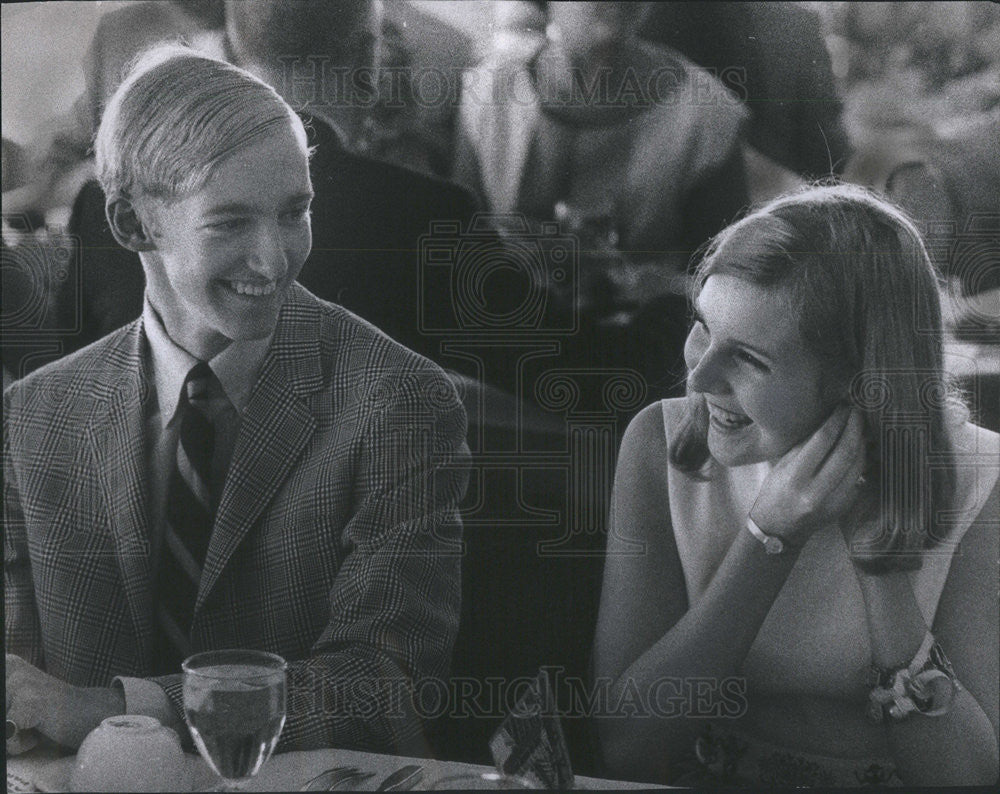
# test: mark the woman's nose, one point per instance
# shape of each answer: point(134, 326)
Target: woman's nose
point(706, 372)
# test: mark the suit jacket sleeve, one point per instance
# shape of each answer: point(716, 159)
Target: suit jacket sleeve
point(394, 604)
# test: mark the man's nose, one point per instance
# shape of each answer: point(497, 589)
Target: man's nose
point(268, 256)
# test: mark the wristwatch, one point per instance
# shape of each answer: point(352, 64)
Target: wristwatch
point(772, 543)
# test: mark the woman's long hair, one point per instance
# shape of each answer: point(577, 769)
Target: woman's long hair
point(856, 273)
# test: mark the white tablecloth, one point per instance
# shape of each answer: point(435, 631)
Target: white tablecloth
point(283, 772)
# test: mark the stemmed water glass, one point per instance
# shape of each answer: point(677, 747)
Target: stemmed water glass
point(234, 704)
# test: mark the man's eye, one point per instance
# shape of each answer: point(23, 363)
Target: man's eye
point(298, 214)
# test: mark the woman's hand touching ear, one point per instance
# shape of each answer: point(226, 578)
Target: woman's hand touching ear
point(815, 482)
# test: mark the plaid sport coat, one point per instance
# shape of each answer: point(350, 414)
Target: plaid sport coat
point(336, 543)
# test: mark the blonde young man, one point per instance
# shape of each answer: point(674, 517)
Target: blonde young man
point(245, 465)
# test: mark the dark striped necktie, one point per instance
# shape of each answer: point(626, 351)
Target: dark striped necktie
point(190, 513)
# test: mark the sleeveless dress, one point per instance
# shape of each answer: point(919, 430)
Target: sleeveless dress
point(814, 643)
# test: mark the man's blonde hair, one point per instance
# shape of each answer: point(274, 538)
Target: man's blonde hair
point(177, 114)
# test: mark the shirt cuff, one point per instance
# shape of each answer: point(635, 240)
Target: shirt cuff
point(145, 697)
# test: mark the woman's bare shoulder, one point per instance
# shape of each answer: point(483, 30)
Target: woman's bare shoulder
point(976, 455)
point(655, 422)
point(971, 439)
point(649, 433)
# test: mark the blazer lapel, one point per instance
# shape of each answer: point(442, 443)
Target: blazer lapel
point(275, 428)
point(117, 439)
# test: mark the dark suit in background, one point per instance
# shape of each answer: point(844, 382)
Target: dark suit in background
point(773, 56)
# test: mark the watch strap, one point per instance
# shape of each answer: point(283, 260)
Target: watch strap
point(772, 543)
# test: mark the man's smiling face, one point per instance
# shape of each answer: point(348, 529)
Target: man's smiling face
point(223, 256)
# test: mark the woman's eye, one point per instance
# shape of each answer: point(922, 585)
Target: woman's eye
point(227, 225)
point(752, 360)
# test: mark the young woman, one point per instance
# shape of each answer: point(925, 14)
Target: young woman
point(801, 575)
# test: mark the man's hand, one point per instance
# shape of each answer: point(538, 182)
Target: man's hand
point(39, 702)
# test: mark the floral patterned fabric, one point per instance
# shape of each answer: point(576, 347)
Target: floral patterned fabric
point(730, 758)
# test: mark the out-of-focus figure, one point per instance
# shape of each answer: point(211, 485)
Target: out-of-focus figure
point(630, 147)
point(921, 83)
point(949, 185)
point(62, 161)
point(772, 55)
point(591, 117)
point(385, 74)
point(388, 73)
point(15, 166)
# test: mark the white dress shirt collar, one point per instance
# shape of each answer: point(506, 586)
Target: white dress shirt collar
point(236, 367)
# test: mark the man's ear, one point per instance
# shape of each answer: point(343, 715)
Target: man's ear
point(127, 226)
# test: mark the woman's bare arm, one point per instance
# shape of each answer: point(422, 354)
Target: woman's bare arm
point(651, 643)
point(960, 747)
point(647, 639)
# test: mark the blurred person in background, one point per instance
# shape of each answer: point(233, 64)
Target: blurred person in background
point(375, 197)
point(389, 121)
point(949, 184)
point(15, 165)
point(773, 56)
point(633, 149)
point(590, 116)
point(921, 83)
point(386, 75)
point(63, 160)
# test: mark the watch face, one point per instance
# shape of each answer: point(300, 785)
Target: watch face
point(773, 545)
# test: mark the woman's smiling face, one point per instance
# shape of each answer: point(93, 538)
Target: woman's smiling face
point(746, 356)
